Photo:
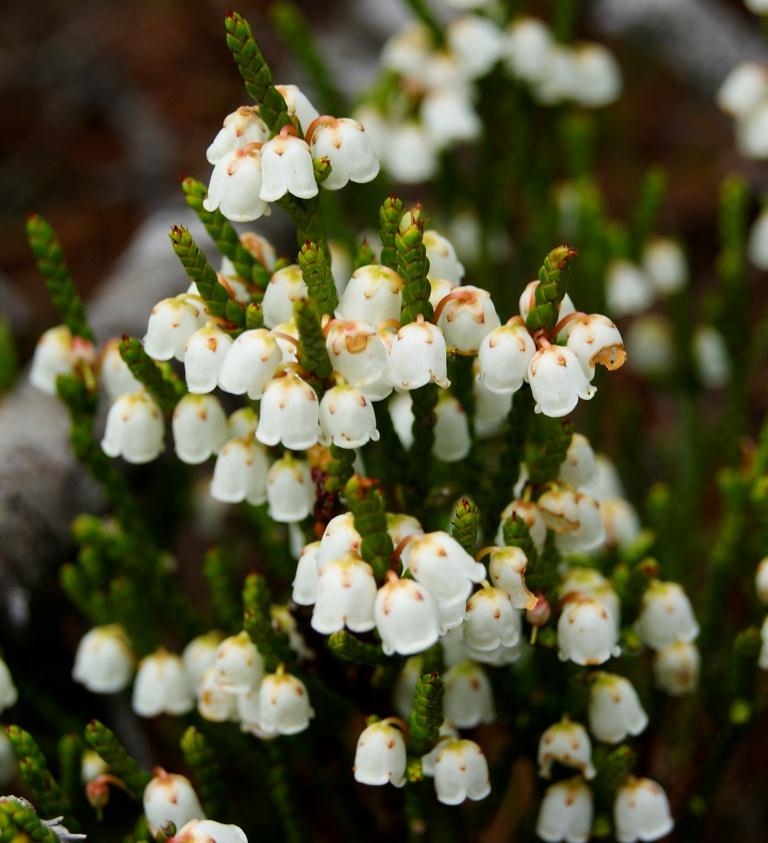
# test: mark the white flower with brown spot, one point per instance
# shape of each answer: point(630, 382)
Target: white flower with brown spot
point(461, 772)
point(406, 616)
point(504, 356)
point(566, 812)
point(666, 616)
point(285, 287)
point(104, 664)
point(380, 755)
point(468, 699)
point(162, 686)
point(171, 323)
point(676, 668)
point(506, 567)
point(170, 798)
point(466, 315)
point(242, 127)
point(614, 710)
point(586, 632)
point(491, 621)
point(374, 294)
point(290, 490)
point(531, 515)
point(286, 167)
point(566, 743)
point(251, 363)
point(199, 427)
point(240, 472)
point(239, 666)
point(641, 811)
point(284, 704)
point(347, 419)
point(358, 353)
point(204, 356)
point(344, 142)
point(557, 381)
point(289, 413)
point(235, 185)
point(418, 356)
point(346, 591)
point(135, 429)
point(594, 339)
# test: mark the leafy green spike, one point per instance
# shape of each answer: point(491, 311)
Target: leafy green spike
point(412, 266)
point(316, 271)
point(390, 214)
point(550, 290)
point(102, 740)
point(464, 524)
point(366, 502)
point(166, 389)
point(426, 714)
point(206, 772)
point(46, 793)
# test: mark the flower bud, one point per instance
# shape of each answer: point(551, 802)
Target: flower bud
point(236, 184)
point(286, 167)
point(441, 565)
point(566, 812)
point(162, 686)
point(666, 616)
point(406, 616)
point(346, 591)
point(461, 772)
point(628, 290)
point(345, 144)
point(557, 381)
point(199, 428)
point(204, 356)
point(641, 811)
point(567, 743)
point(284, 704)
point(208, 831)
point(452, 437)
point(250, 364)
point(374, 294)
point(359, 355)
point(664, 264)
point(595, 339)
point(676, 668)
point(468, 699)
point(171, 323)
point(490, 620)
point(527, 49)
point(743, 89)
point(114, 372)
point(240, 473)
point(241, 128)
point(380, 756)
point(540, 613)
point(214, 703)
point(596, 76)
point(347, 419)
point(238, 664)
point(289, 413)
point(200, 653)
point(504, 357)
point(290, 490)
point(134, 430)
point(418, 357)
point(477, 43)
point(103, 663)
point(466, 317)
point(298, 105)
point(587, 632)
point(615, 710)
point(170, 798)
point(506, 567)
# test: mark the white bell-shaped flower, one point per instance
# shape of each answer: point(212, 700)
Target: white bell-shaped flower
point(374, 294)
point(298, 105)
point(380, 755)
point(528, 299)
point(579, 467)
point(587, 632)
point(235, 185)
point(162, 686)
point(204, 356)
point(284, 704)
point(358, 354)
point(346, 591)
point(504, 356)
point(491, 620)
point(344, 142)
point(135, 429)
point(339, 538)
point(289, 413)
point(628, 290)
point(290, 490)
point(443, 260)
point(401, 412)
point(651, 344)
point(506, 567)
point(710, 353)
point(347, 419)
point(241, 128)
point(761, 579)
point(406, 616)
point(449, 117)
point(103, 663)
point(589, 582)
point(566, 743)
point(575, 517)
point(566, 812)
point(676, 668)
point(200, 428)
point(410, 156)
point(199, 654)
point(238, 664)
point(557, 381)
point(171, 323)
point(466, 315)
point(406, 50)
point(594, 339)
point(641, 811)
point(614, 710)
point(240, 473)
point(53, 357)
point(441, 565)
point(170, 798)
point(439, 289)
point(461, 772)
point(452, 437)
point(418, 356)
point(620, 522)
point(757, 248)
point(250, 364)
point(531, 515)
point(468, 699)
point(597, 77)
point(208, 831)
point(249, 715)
point(528, 42)
point(743, 89)
point(666, 616)
point(477, 42)
point(214, 702)
point(305, 580)
point(491, 409)
point(285, 287)
point(114, 372)
point(665, 265)
point(243, 422)
point(447, 732)
point(286, 167)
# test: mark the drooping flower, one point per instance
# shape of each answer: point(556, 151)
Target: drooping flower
point(286, 167)
point(238, 664)
point(468, 699)
point(347, 419)
point(103, 663)
point(135, 429)
point(406, 616)
point(557, 381)
point(251, 363)
point(284, 704)
point(418, 356)
point(641, 811)
point(566, 811)
point(586, 632)
point(204, 356)
point(241, 128)
point(170, 798)
point(346, 591)
point(290, 490)
point(240, 472)
point(615, 710)
point(380, 755)
point(374, 294)
point(461, 772)
point(289, 413)
point(162, 686)
point(567, 743)
point(344, 142)
point(199, 428)
point(235, 185)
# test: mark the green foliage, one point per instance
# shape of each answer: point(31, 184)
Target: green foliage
point(223, 590)
point(348, 648)
point(550, 290)
point(206, 772)
point(103, 741)
point(412, 266)
point(257, 622)
point(316, 270)
point(426, 715)
point(390, 214)
point(162, 384)
point(33, 768)
point(20, 824)
point(464, 524)
point(312, 354)
point(366, 502)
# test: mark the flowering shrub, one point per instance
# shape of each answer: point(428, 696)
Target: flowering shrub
point(424, 576)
